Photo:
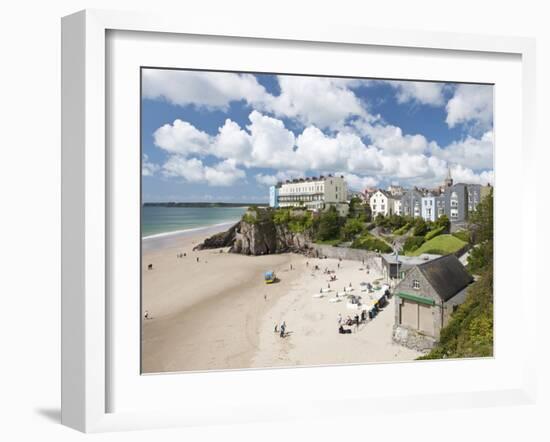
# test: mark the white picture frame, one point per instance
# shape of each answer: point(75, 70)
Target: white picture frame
point(86, 207)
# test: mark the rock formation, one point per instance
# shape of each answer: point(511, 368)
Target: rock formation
point(259, 237)
point(219, 240)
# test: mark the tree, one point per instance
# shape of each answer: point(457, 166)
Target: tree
point(481, 220)
point(481, 227)
point(444, 221)
point(354, 206)
point(420, 227)
point(352, 227)
point(329, 225)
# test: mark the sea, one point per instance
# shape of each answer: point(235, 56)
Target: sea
point(158, 222)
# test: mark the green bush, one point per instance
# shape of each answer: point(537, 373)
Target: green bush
point(282, 216)
point(469, 333)
point(443, 221)
point(329, 225)
point(402, 230)
point(370, 242)
point(412, 243)
point(353, 227)
point(420, 227)
point(433, 233)
point(463, 235)
point(480, 257)
point(249, 218)
point(296, 222)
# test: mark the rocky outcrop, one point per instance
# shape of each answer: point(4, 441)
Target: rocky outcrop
point(258, 238)
point(255, 236)
point(265, 237)
point(219, 240)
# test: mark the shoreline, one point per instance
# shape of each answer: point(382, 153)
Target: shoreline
point(170, 239)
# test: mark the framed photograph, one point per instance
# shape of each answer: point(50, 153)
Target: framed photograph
point(268, 223)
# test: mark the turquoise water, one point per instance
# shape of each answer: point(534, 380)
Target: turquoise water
point(159, 220)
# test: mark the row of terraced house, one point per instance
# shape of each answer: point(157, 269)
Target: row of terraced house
point(453, 200)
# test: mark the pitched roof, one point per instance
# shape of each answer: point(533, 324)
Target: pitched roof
point(446, 275)
point(384, 192)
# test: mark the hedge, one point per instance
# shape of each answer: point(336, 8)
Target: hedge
point(370, 242)
point(412, 243)
point(433, 233)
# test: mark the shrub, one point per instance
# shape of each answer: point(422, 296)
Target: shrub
point(402, 230)
point(370, 242)
point(433, 233)
point(463, 235)
point(480, 257)
point(443, 221)
point(282, 216)
point(352, 227)
point(296, 222)
point(412, 243)
point(329, 225)
point(420, 227)
point(249, 218)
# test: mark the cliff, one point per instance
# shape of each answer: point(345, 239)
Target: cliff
point(259, 236)
point(219, 240)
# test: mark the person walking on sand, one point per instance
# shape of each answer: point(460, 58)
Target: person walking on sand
point(283, 329)
point(197, 259)
point(339, 318)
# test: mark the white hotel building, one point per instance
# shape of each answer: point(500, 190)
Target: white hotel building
point(313, 193)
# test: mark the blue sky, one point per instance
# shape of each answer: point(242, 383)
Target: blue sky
point(216, 136)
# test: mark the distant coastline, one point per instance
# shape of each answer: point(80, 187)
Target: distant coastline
point(201, 204)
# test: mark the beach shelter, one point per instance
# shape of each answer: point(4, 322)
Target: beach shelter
point(269, 277)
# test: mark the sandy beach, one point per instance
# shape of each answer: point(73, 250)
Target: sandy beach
point(212, 310)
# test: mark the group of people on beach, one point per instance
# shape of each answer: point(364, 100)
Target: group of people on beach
point(349, 321)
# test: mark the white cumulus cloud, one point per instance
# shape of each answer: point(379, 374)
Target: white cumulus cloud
point(471, 152)
point(357, 182)
point(182, 138)
point(423, 92)
point(202, 89)
point(323, 102)
point(147, 167)
point(471, 103)
point(192, 170)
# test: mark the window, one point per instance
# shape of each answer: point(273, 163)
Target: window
point(416, 284)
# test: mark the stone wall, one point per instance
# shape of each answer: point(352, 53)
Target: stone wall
point(412, 339)
point(373, 259)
